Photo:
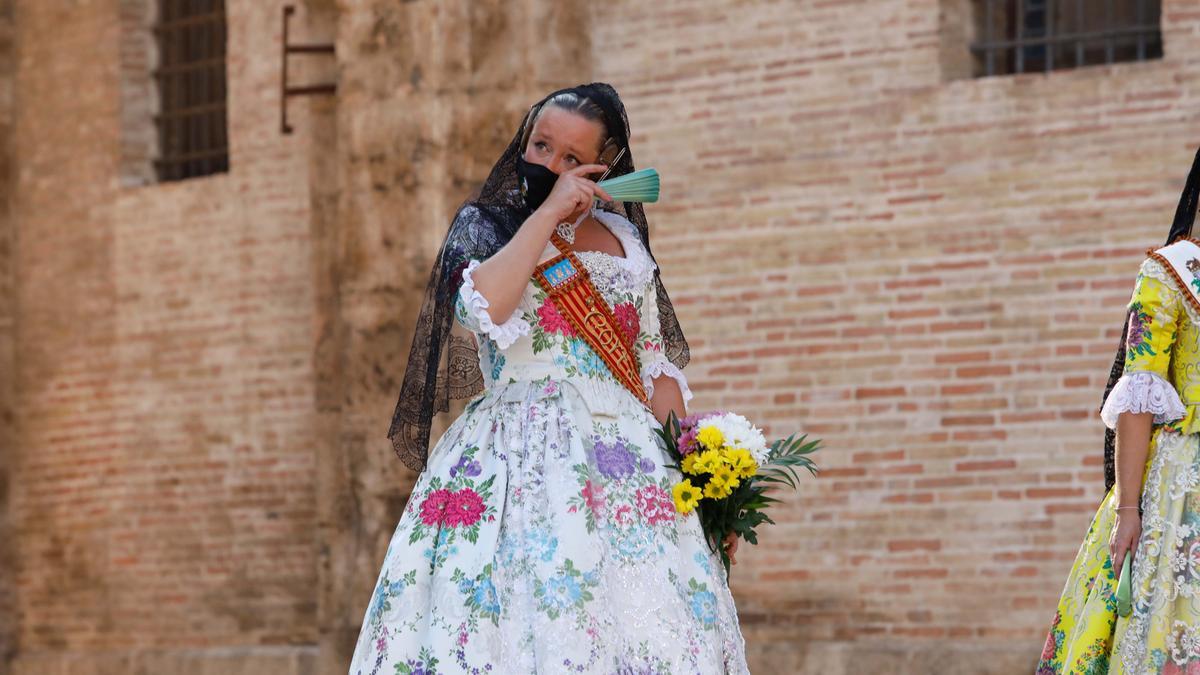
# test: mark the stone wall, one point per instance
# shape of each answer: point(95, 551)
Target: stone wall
point(421, 120)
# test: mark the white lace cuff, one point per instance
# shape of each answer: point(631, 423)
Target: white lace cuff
point(660, 366)
point(1142, 392)
point(503, 334)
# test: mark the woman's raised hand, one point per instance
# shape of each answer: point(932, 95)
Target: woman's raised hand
point(573, 193)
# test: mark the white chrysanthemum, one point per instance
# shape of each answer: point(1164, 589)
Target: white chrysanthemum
point(740, 433)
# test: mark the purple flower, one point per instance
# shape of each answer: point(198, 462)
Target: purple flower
point(467, 466)
point(696, 418)
point(1137, 329)
point(647, 465)
point(687, 442)
point(615, 460)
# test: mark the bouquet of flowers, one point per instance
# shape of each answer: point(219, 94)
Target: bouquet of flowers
point(728, 467)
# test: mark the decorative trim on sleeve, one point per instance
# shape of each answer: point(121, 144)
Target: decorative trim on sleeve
point(503, 334)
point(1142, 392)
point(660, 366)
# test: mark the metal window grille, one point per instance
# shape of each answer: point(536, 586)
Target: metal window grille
point(1029, 36)
point(192, 133)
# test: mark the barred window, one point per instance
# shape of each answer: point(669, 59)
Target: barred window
point(191, 120)
point(1026, 36)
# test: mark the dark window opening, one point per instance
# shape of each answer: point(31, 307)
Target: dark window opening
point(1030, 36)
point(192, 133)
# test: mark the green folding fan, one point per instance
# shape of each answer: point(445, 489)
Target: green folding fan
point(639, 186)
point(1124, 605)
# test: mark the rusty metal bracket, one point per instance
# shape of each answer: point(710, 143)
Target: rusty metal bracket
point(286, 91)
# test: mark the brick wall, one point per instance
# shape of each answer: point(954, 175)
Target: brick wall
point(163, 488)
point(927, 272)
point(8, 318)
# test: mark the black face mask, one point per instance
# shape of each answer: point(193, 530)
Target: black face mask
point(536, 182)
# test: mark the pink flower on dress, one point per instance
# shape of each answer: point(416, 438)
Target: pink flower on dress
point(1171, 668)
point(655, 504)
point(552, 321)
point(623, 515)
point(465, 508)
point(433, 509)
point(628, 320)
point(1051, 646)
point(593, 496)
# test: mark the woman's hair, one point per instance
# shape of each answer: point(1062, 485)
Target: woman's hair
point(585, 108)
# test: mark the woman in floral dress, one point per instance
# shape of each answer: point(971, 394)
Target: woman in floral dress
point(541, 535)
point(1152, 511)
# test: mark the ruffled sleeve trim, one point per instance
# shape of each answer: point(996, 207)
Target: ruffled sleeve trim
point(503, 334)
point(662, 366)
point(1142, 392)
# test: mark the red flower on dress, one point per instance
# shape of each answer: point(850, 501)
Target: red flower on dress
point(1051, 647)
point(551, 321)
point(593, 496)
point(465, 508)
point(655, 504)
point(628, 320)
point(1172, 668)
point(622, 514)
point(433, 509)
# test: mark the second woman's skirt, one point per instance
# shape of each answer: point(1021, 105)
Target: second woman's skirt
point(1162, 635)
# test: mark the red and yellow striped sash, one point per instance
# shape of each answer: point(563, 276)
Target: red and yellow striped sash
point(570, 287)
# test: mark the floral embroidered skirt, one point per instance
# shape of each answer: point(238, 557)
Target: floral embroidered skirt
point(1162, 635)
point(542, 538)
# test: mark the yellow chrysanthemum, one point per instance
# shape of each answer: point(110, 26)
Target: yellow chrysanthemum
point(687, 496)
point(742, 462)
point(707, 462)
point(717, 489)
point(710, 437)
point(748, 469)
point(725, 474)
point(689, 464)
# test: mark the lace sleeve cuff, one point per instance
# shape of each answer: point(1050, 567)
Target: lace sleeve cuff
point(1141, 392)
point(503, 334)
point(661, 366)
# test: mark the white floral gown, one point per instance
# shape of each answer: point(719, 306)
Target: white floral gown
point(542, 536)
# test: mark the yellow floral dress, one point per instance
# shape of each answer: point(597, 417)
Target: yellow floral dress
point(1162, 634)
